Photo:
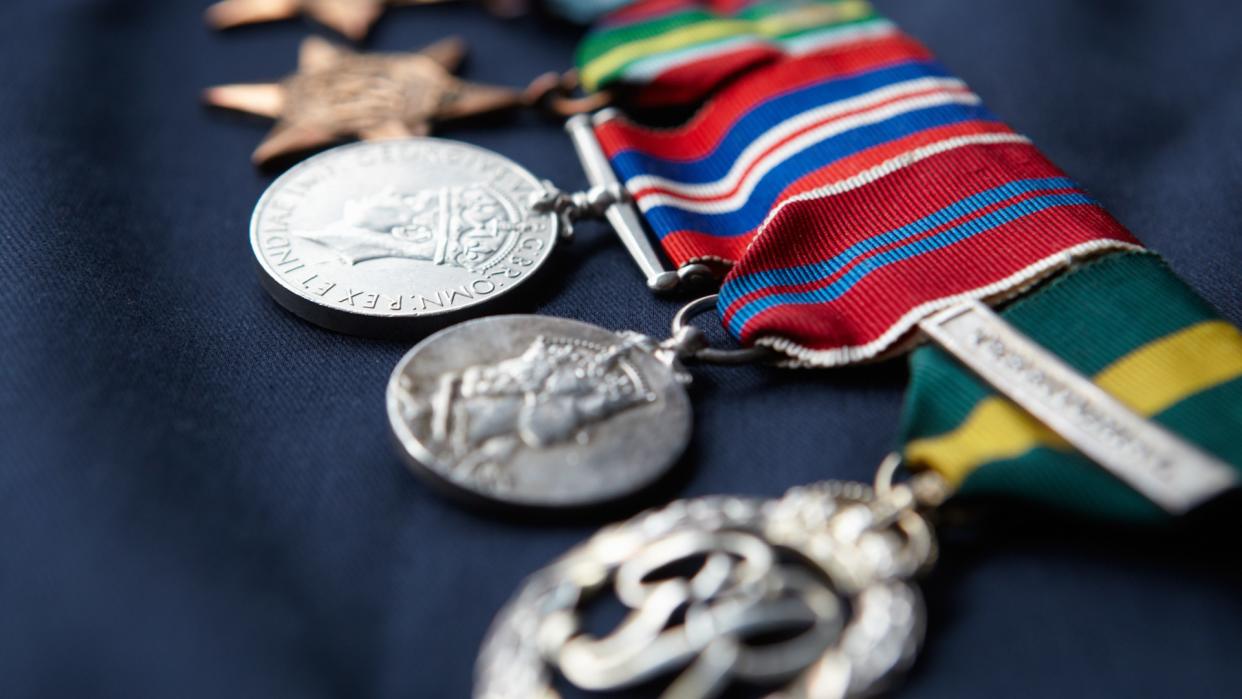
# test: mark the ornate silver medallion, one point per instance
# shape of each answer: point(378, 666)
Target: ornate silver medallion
point(539, 411)
point(806, 596)
point(395, 237)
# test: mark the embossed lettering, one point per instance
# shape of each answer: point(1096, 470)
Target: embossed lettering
point(277, 221)
point(454, 293)
point(280, 252)
point(322, 288)
point(421, 302)
point(350, 295)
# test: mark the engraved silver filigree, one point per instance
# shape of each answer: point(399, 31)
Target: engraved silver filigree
point(543, 411)
point(807, 596)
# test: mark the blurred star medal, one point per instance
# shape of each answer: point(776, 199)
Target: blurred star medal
point(338, 93)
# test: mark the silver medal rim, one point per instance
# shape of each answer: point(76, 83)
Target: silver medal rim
point(424, 464)
point(376, 322)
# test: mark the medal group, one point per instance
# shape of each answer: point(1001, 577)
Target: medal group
point(846, 200)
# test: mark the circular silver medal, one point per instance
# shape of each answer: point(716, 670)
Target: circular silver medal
point(539, 411)
point(399, 237)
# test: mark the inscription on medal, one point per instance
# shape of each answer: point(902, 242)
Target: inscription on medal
point(539, 411)
point(397, 230)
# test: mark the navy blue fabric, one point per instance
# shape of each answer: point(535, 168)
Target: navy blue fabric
point(198, 497)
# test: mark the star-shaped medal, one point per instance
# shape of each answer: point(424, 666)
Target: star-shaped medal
point(353, 18)
point(339, 94)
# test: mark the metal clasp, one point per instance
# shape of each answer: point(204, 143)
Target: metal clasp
point(624, 217)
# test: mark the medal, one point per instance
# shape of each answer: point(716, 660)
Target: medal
point(402, 235)
point(536, 411)
point(398, 237)
point(338, 94)
point(808, 594)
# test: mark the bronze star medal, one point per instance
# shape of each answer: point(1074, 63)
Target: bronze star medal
point(339, 94)
point(353, 18)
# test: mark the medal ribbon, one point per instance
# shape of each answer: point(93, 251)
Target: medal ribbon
point(676, 51)
point(1127, 322)
point(855, 187)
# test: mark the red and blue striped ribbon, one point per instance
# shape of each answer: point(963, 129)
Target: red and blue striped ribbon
point(784, 130)
point(856, 190)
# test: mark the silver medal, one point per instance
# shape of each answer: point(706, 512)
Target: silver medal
point(539, 411)
point(806, 596)
point(398, 237)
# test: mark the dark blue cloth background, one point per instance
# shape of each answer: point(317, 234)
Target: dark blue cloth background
point(198, 497)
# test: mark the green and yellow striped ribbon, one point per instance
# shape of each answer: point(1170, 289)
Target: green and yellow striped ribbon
point(1142, 335)
point(605, 54)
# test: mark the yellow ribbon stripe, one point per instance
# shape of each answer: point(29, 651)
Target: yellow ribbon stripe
point(1148, 380)
point(814, 15)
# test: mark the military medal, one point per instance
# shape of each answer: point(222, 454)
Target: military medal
point(864, 202)
point(399, 237)
point(338, 94)
point(537, 411)
point(809, 594)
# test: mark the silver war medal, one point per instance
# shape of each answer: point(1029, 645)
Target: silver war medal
point(399, 237)
point(544, 412)
point(539, 411)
